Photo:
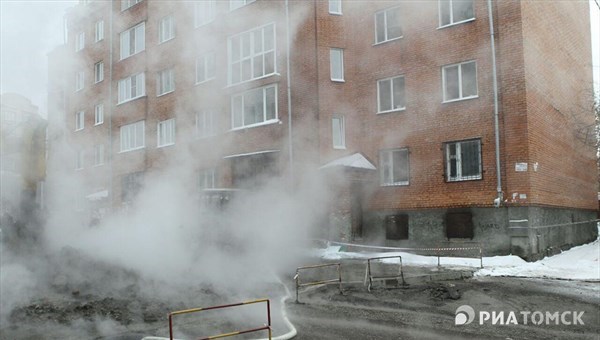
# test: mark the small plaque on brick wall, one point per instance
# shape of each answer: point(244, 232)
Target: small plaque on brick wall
point(520, 167)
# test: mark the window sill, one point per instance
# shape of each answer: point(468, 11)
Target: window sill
point(203, 81)
point(387, 41)
point(207, 136)
point(164, 145)
point(134, 149)
point(203, 24)
point(79, 129)
point(163, 94)
point(79, 90)
point(166, 40)
point(453, 180)
point(253, 79)
point(96, 124)
point(130, 100)
point(131, 55)
point(392, 111)
point(268, 122)
point(399, 184)
point(340, 147)
point(459, 99)
point(335, 13)
point(98, 165)
point(456, 23)
point(338, 80)
point(99, 81)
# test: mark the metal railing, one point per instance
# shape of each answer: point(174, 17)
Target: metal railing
point(372, 278)
point(224, 335)
point(313, 283)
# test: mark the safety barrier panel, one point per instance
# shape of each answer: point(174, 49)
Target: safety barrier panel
point(372, 278)
point(338, 280)
point(224, 335)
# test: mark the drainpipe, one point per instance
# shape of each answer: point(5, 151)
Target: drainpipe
point(499, 198)
point(289, 93)
point(110, 106)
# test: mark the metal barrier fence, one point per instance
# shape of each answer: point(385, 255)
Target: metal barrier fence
point(372, 278)
point(224, 335)
point(338, 280)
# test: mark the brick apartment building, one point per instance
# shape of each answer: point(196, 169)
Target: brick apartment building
point(392, 101)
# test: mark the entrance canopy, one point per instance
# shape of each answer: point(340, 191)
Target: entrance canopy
point(357, 161)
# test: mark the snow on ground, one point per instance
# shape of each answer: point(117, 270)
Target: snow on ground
point(578, 263)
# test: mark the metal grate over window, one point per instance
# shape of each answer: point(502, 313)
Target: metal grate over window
point(463, 160)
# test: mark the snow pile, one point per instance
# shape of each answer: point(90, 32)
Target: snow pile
point(578, 263)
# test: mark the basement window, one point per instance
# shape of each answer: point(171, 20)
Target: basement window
point(459, 225)
point(396, 227)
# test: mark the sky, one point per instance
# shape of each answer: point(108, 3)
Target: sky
point(30, 29)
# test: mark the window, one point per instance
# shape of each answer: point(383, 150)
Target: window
point(254, 107)
point(394, 167)
point(79, 160)
point(131, 185)
point(455, 11)
point(460, 81)
point(235, 4)
point(387, 25)
point(98, 154)
point(252, 54)
point(166, 132)
point(205, 67)
point(463, 160)
point(132, 87)
point(99, 72)
point(336, 61)
point(204, 12)
point(99, 30)
point(390, 95)
point(396, 227)
point(335, 7)
point(459, 225)
point(99, 114)
point(207, 178)
point(79, 120)
point(338, 133)
point(79, 80)
point(125, 4)
point(133, 40)
point(79, 41)
point(205, 124)
point(165, 82)
point(132, 136)
point(166, 29)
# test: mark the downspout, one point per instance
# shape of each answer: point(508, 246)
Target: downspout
point(499, 198)
point(110, 106)
point(289, 94)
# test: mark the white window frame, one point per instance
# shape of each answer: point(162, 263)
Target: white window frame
point(165, 82)
point(450, 3)
point(235, 4)
point(385, 26)
point(204, 12)
point(98, 114)
point(98, 72)
point(242, 97)
point(126, 88)
point(459, 177)
point(335, 7)
point(132, 136)
point(98, 154)
point(460, 82)
point(165, 133)
point(207, 64)
point(240, 62)
point(79, 41)
point(126, 4)
point(127, 48)
point(205, 123)
point(79, 120)
point(336, 55)
point(99, 36)
point(166, 29)
point(79, 81)
point(342, 132)
point(386, 159)
point(207, 178)
point(393, 104)
point(79, 159)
